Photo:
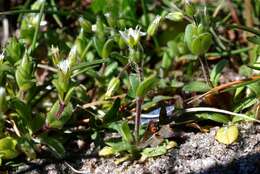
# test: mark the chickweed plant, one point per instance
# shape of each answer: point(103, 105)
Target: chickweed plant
point(123, 74)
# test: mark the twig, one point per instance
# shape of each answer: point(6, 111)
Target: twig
point(223, 87)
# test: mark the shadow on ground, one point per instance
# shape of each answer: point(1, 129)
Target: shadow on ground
point(249, 164)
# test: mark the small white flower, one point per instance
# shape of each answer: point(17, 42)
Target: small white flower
point(132, 36)
point(72, 55)
point(157, 20)
point(94, 28)
point(64, 66)
point(2, 56)
point(35, 20)
point(107, 14)
point(2, 91)
point(54, 50)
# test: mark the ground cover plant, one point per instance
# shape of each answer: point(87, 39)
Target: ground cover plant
point(123, 75)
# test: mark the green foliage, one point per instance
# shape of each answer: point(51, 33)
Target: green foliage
point(92, 66)
point(196, 86)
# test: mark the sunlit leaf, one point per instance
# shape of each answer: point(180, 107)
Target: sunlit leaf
point(8, 148)
point(227, 135)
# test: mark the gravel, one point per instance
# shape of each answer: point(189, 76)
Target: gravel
point(199, 154)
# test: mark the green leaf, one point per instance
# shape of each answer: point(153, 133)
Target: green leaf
point(98, 5)
point(112, 86)
point(216, 71)
point(214, 117)
point(201, 44)
point(175, 16)
point(120, 146)
point(254, 39)
point(57, 116)
point(123, 129)
point(27, 147)
point(23, 110)
point(227, 135)
point(255, 88)
point(112, 115)
point(153, 151)
point(146, 86)
point(245, 103)
point(133, 79)
point(106, 50)
point(13, 50)
point(106, 151)
point(98, 45)
point(196, 86)
point(54, 144)
point(190, 32)
point(8, 148)
point(69, 95)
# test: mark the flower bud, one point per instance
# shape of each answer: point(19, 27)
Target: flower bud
point(189, 8)
point(23, 73)
point(153, 27)
point(13, 50)
point(175, 16)
point(3, 103)
point(85, 24)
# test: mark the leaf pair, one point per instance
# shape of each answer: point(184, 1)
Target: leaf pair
point(197, 40)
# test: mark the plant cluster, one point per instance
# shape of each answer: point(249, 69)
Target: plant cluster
point(120, 59)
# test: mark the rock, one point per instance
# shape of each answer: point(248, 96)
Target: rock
point(200, 154)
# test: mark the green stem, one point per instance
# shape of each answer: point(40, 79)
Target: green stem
point(36, 32)
point(55, 16)
point(139, 102)
point(245, 28)
point(226, 53)
point(145, 13)
point(26, 4)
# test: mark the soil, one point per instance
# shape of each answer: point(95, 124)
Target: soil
point(199, 154)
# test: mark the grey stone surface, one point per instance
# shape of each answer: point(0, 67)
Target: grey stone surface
point(199, 154)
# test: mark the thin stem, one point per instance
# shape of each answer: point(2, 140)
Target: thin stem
point(226, 53)
point(123, 70)
point(139, 102)
point(245, 28)
point(205, 70)
point(26, 4)
point(36, 32)
point(145, 13)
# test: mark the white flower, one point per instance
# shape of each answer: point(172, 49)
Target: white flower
point(54, 50)
point(94, 28)
point(72, 55)
point(132, 36)
point(64, 66)
point(2, 91)
point(2, 56)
